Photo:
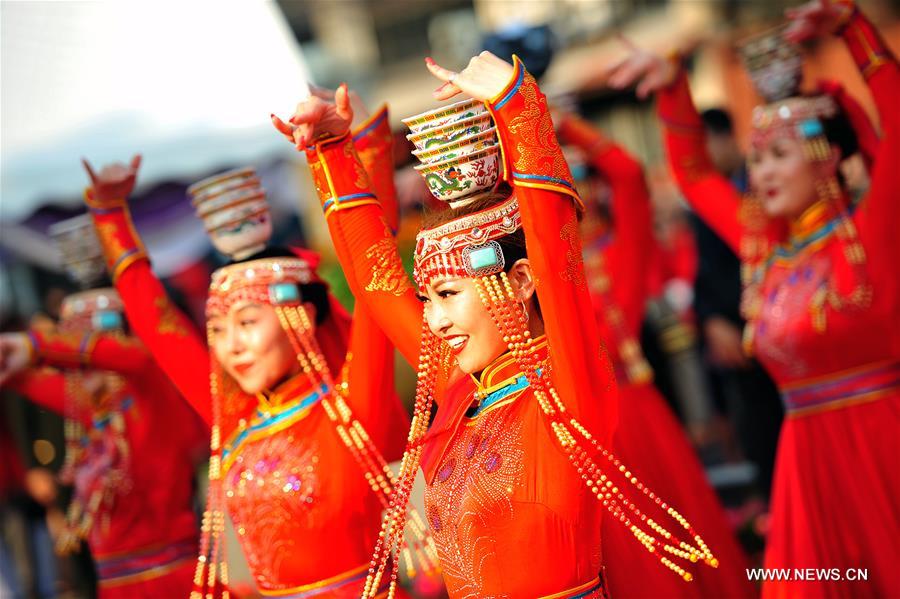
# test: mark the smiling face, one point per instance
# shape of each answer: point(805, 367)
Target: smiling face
point(455, 314)
point(252, 347)
point(783, 178)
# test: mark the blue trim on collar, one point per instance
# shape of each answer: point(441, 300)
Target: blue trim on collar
point(267, 421)
point(493, 397)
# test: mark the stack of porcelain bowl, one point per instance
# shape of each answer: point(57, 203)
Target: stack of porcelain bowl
point(457, 146)
point(234, 211)
point(775, 65)
point(79, 248)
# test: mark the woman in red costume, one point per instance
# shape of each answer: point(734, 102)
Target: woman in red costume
point(132, 446)
point(649, 438)
point(821, 300)
point(300, 431)
point(516, 485)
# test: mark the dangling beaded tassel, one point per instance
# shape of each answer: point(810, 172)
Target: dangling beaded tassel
point(211, 557)
point(81, 516)
point(375, 469)
point(498, 297)
point(754, 251)
point(390, 539)
point(860, 297)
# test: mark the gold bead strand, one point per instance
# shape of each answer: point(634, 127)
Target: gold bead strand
point(426, 374)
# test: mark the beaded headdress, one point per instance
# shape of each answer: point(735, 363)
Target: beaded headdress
point(466, 246)
point(93, 310)
point(265, 280)
point(775, 67)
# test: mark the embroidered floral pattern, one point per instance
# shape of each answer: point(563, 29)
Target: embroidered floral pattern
point(362, 179)
point(537, 149)
point(169, 318)
point(469, 495)
point(113, 248)
point(273, 482)
point(387, 271)
point(574, 272)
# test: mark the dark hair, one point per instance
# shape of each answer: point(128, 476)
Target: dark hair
point(535, 46)
point(840, 132)
point(512, 245)
point(718, 121)
point(315, 293)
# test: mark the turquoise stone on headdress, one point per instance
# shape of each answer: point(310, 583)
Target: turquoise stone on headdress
point(106, 320)
point(481, 260)
point(284, 293)
point(811, 128)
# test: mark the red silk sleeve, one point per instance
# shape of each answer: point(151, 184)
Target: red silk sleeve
point(375, 146)
point(164, 330)
point(880, 209)
point(632, 215)
point(534, 164)
point(45, 387)
point(371, 364)
point(103, 351)
point(364, 243)
point(711, 195)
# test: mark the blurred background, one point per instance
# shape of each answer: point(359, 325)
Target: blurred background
point(191, 86)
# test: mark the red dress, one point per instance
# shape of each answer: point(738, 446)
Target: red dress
point(150, 544)
point(303, 511)
point(509, 513)
point(836, 488)
point(649, 438)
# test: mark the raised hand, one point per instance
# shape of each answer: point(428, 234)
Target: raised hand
point(360, 111)
point(115, 181)
point(815, 19)
point(484, 77)
point(317, 118)
point(15, 355)
point(645, 71)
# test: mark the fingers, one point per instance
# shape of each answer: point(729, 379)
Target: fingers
point(283, 128)
point(90, 171)
point(447, 89)
point(608, 71)
point(493, 59)
point(307, 113)
point(136, 162)
point(649, 84)
point(627, 74)
point(445, 92)
point(310, 106)
point(439, 71)
point(799, 31)
point(342, 102)
point(643, 89)
point(302, 136)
